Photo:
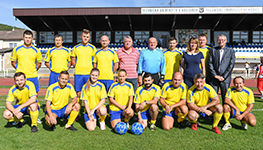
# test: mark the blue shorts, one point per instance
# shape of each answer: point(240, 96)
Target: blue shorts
point(234, 113)
point(35, 81)
point(53, 78)
point(115, 115)
point(146, 114)
point(86, 118)
point(171, 114)
point(23, 110)
point(61, 112)
point(79, 81)
point(165, 81)
point(107, 83)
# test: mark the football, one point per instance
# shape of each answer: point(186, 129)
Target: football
point(137, 128)
point(121, 128)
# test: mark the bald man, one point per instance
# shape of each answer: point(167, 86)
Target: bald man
point(152, 61)
point(173, 100)
point(106, 60)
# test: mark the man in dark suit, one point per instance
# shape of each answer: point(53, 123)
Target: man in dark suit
point(220, 65)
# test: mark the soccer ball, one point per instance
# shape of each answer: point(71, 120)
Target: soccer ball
point(121, 128)
point(137, 128)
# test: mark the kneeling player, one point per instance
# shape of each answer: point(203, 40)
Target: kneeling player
point(94, 94)
point(173, 100)
point(57, 102)
point(239, 102)
point(146, 99)
point(24, 93)
point(203, 101)
point(121, 98)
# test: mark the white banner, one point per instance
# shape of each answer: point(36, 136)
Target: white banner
point(202, 10)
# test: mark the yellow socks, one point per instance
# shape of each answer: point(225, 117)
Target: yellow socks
point(33, 116)
point(227, 117)
point(181, 117)
point(217, 118)
point(102, 118)
point(195, 121)
point(126, 120)
point(153, 121)
point(73, 115)
point(15, 119)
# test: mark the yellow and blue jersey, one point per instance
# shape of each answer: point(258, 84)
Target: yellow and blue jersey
point(205, 51)
point(201, 97)
point(84, 56)
point(105, 60)
point(241, 99)
point(96, 93)
point(121, 94)
point(26, 58)
point(173, 60)
point(143, 94)
point(58, 59)
point(21, 95)
point(173, 95)
point(59, 97)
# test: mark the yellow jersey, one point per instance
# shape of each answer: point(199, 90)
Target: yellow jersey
point(173, 95)
point(84, 56)
point(201, 97)
point(143, 94)
point(105, 60)
point(241, 99)
point(26, 58)
point(121, 94)
point(59, 97)
point(21, 95)
point(173, 60)
point(205, 51)
point(58, 59)
point(96, 93)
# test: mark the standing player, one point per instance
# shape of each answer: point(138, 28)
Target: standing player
point(81, 58)
point(239, 103)
point(104, 60)
point(94, 94)
point(121, 98)
point(203, 101)
point(24, 93)
point(146, 99)
point(259, 77)
point(204, 49)
point(57, 59)
point(173, 100)
point(173, 58)
point(57, 102)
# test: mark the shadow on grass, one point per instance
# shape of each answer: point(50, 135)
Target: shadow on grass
point(27, 119)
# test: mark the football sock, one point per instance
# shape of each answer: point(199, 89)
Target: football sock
point(217, 118)
point(126, 120)
point(34, 116)
point(153, 121)
point(13, 119)
point(73, 115)
point(195, 121)
point(102, 118)
point(181, 117)
point(227, 117)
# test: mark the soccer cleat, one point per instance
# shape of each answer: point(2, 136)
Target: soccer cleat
point(181, 125)
point(20, 124)
point(34, 129)
point(38, 120)
point(52, 128)
point(127, 124)
point(261, 97)
point(194, 126)
point(15, 123)
point(152, 127)
point(70, 127)
point(226, 127)
point(216, 130)
point(102, 126)
point(244, 126)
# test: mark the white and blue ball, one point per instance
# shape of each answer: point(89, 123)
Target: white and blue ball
point(137, 128)
point(121, 128)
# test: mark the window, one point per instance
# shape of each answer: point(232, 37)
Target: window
point(238, 36)
point(185, 34)
point(162, 37)
point(257, 36)
point(46, 37)
point(99, 34)
point(217, 33)
point(67, 36)
point(79, 38)
point(142, 35)
point(12, 45)
point(119, 36)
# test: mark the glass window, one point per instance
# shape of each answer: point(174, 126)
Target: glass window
point(79, 40)
point(257, 36)
point(99, 34)
point(162, 38)
point(12, 45)
point(185, 34)
point(46, 37)
point(141, 35)
point(238, 36)
point(119, 36)
point(67, 36)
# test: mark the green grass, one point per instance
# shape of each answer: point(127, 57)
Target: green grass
point(203, 138)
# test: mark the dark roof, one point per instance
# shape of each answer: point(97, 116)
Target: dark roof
point(12, 35)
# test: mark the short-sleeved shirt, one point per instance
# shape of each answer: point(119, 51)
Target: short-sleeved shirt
point(201, 97)
point(143, 94)
point(26, 58)
point(105, 60)
point(59, 97)
point(21, 95)
point(96, 93)
point(241, 99)
point(192, 62)
point(84, 56)
point(259, 68)
point(121, 94)
point(58, 59)
point(205, 51)
point(173, 60)
point(173, 95)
